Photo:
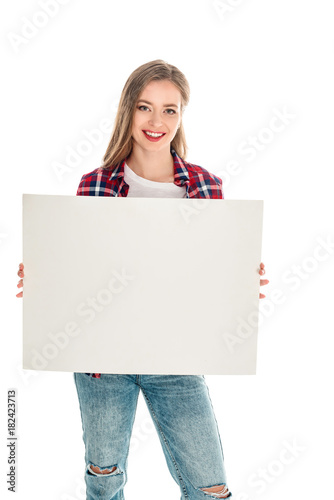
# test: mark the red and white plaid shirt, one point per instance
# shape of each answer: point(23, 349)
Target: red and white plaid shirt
point(199, 183)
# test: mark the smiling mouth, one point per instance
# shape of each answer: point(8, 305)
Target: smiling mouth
point(154, 135)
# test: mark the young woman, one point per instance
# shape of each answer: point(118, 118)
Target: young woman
point(146, 158)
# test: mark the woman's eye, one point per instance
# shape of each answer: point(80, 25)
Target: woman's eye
point(172, 111)
point(140, 107)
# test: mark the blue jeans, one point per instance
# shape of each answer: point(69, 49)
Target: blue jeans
point(182, 413)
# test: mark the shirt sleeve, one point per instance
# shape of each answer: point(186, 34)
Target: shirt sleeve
point(80, 190)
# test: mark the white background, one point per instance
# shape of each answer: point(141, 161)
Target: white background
point(258, 58)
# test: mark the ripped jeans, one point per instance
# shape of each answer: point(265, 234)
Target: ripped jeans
point(182, 413)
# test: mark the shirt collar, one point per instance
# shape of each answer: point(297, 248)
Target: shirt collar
point(181, 174)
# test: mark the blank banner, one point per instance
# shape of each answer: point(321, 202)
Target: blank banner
point(141, 285)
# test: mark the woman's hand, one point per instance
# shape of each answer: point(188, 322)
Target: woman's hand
point(20, 272)
point(262, 282)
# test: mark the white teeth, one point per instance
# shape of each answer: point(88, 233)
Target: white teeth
point(153, 134)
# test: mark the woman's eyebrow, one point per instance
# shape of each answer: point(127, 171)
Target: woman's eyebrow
point(165, 105)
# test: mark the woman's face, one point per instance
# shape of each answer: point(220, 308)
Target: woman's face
point(157, 112)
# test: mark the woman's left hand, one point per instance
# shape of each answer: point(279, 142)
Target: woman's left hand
point(262, 282)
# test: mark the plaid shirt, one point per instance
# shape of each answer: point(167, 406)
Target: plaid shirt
point(199, 183)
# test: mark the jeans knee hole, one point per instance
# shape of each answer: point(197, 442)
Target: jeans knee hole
point(219, 491)
point(104, 471)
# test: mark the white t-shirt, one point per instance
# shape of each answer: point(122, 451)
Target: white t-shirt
point(140, 187)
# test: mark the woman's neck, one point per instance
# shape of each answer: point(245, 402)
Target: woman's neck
point(152, 165)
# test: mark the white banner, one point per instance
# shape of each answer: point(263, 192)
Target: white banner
point(141, 285)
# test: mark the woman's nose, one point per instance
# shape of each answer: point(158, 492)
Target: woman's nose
point(155, 119)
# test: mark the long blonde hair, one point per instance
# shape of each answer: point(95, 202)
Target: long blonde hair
point(120, 145)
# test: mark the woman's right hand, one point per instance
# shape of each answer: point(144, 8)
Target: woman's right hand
point(20, 273)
